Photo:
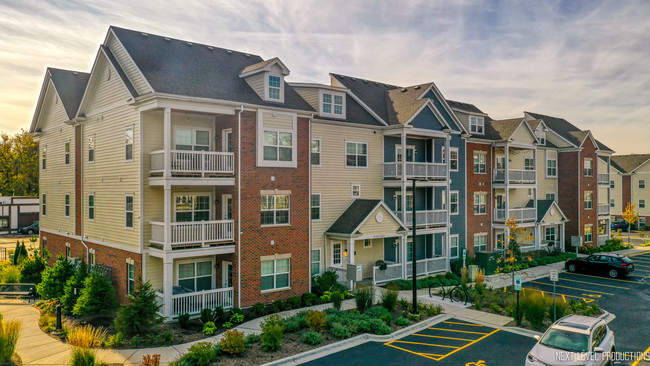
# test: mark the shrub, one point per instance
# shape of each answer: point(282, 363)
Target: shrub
point(184, 320)
point(73, 287)
point(312, 338)
point(376, 312)
point(328, 281)
point(206, 315)
point(258, 310)
point(364, 298)
point(32, 269)
point(20, 254)
point(233, 342)
point(9, 334)
point(309, 299)
point(389, 299)
point(54, 279)
point(47, 322)
point(316, 320)
point(403, 304)
point(252, 339)
point(86, 337)
point(199, 354)
point(114, 340)
point(140, 315)
point(236, 318)
point(165, 338)
point(402, 322)
point(272, 333)
point(82, 357)
point(337, 299)
point(278, 306)
point(294, 302)
point(326, 297)
point(386, 318)
point(340, 331)
point(97, 295)
point(9, 273)
point(561, 309)
point(209, 328)
point(377, 326)
point(219, 315)
point(296, 322)
point(151, 360)
point(430, 309)
point(534, 307)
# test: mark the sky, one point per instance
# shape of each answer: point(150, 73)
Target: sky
point(585, 61)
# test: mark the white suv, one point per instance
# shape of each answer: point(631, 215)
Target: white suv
point(574, 340)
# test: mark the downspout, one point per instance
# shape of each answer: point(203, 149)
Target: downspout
point(81, 206)
point(241, 110)
point(310, 225)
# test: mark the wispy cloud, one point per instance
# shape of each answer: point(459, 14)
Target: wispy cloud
point(581, 60)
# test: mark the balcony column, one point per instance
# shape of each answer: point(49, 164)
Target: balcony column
point(168, 286)
point(561, 235)
point(506, 175)
point(403, 185)
point(167, 217)
point(167, 133)
point(402, 254)
point(351, 259)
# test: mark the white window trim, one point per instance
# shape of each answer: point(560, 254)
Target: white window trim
point(67, 205)
point(94, 148)
point(320, 206)
point(132, 144)
point(398, 199)
point(320, 261)
point(197, 260)
point(266, 88)
point(339, 265)
point(398, 147)
point(194, 130)
point(591, 200)
point(457, 246)
point(275, 273)
point(320, 151)
point(480, 121)
point(224, 139)
point(478, 235)
point(44, 158)
point(452, 149)
point(484, 154)
point(345, 154)
point(474, 203)
point(211, 200)
point(553, 193)
point(274, 210)
point(44, 204)
point(584, 232)
point(67, 154)
point(352, 185)
point(224, 205)
point(546, 168)
point(451, 193)
point(546, 233)
point(369, 241)
point(639, 184)
point(132, 195)
point(644, 203)
point(591, 169)
point(260, 141)
point(320, 104)
point(93, 207)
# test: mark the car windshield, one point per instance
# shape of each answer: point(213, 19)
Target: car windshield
point(626, 260)
point(565, 340)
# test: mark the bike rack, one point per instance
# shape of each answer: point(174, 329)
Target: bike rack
point(444, 292)
point(463, 292)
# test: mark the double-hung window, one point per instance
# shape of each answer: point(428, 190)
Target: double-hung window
point(315, 152)
point(192, 208)
point(641, 183)
point(67, 204)
point(480, 163)
point(588, 164)
point(476, 125)
point(275, 274)
point(315, 206)
point(551, 168)
point(332, 105)
point(589, 200)
point(91, 149)
point(189, 139)
point(453, 159)
point(91, 207)
point(409, 249)
point(550, 196)
point(130, 277)
point(67, 153)
point(128, 144)
point(274, 209)
point(356, 154)
point(409, 201)
point(278, 146)
point(44, 204)
point(480, 203)
point(589, 234)
point(549, 234)
point(612, 202)
point(315, 262)
point(274, 87)
point(128, 211)
point(44, 157)
point(529, 164)
point(641, 203)
point(612, 184)
point(480, 242)
point(453, 246)
point(453, 202)
point(195, 276)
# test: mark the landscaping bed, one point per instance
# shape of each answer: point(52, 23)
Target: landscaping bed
point(611, 245)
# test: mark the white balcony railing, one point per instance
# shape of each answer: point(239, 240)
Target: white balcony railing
point(433, 171)
point(392, 272)
point(603, 209)
point(194, 163)
point(514, 176)
point(424, 217)
point(427, 266)
point(603, 178)
point(192, 303)
point(602, 239)
point(202, 232)
point(522, 214)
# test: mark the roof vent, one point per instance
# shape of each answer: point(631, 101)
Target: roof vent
point(403, 90)
point(342, 77)
point(365, 81)
point(229, 51)
point(210, 48)
point(190, 44)
point(247, 55)
point(376, 83)
point(167, 39)
point(145, 34)
point(353, 79)
point(75, 73)
point(418, 87)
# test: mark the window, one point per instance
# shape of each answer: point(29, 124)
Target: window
point(480, 163)
point(336, 254)
point(128, 211)
point(315, 152)
point(541, 135)
point(531, 192)
point(453, 202)
point(476, 124)
point(44, 204)
point(130, 278)
point(192, 140)
point(589, 200)
point(612, 184)
point(409, 249)
point(274, 87)
point(67, 204)
point(275, 274)
point(550, 196)
point(68, 251)
point(128, 144)
point(367, 243)
point(453, 158)
point(92, 257)
point(356, 190)
point(453, 245)
point(529, 164)
point(501, 239)
point(192, 208)
point(588, 234)
point(91, 149)
point(315, 206)
point(275, 209)
point(91, 206)
point(641, 203)
point(480, 242)
point(44, 158)
point(226, 143)
point(551, 168)
point(641, 223)
point(612, 202)
point(356, 154)
point(549, 234)
point(195, 276)
point(315, 262)
point(409, 201)
point(480, 203)
point(67, 153)
point(588, 168)
point(410, 153)
point(332, 104)
point(278, 146)
point(641, 183)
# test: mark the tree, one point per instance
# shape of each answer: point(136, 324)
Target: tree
point(54, 279)
point(630, 215)
point(140, 316)
point(73, 287)
point(18, 165)
point(97, 295)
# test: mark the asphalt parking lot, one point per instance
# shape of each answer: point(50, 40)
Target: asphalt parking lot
point(450, 342)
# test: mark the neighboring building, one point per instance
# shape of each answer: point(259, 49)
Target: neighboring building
point(629, 184)
point(16, 212)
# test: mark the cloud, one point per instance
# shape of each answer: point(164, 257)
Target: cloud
point(581, 60)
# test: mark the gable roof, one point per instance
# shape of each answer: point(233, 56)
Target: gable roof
point(177, 67)
point(502, 129)
point(629, 163)
point(543, 206)
point(372, 93)
point(70, 85)
point(568, 131)
point(356, 214)
point(465, 107)
point(403, 103)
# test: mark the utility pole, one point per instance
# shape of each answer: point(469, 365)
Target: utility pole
point(415, 283)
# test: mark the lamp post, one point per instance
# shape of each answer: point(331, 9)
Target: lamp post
point(413, 251)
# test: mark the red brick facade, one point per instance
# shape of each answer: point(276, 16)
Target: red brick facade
point(478, 183)
point(627, 191)
point(589, 184)
point(104, 255)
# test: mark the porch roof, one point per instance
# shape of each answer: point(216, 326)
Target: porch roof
point(543, 207)
point(358, 213)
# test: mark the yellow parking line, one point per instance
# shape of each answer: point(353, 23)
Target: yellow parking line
point(576, 297)
point(634, 363)
point(469, 344)
point(389, 344)
point(572, 288)
point(602, 278)
point(426, 344)
point(432, 336)
point(595, 284)
point(459, 331)
point(473, 325)
point(430, 354)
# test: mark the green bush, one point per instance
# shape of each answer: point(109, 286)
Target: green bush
point(73, 288)
point(206, 315)
point(233, 342)
point(258, 310)
point(20, 253)
point(389, 299)
point(252, 339)
point(534, 307)
point(97, 295)
point(316, 320)
point(184, 320)
point(54, 279)
point(272, 333)
point(140, 315)
point(337, 299)
point(32, 269)
point(165, 338)
point(219, 315)
point(364, 298)
point(378, 326)
point(9, 273)
point(209, 328)
point(236, 318)
point(82, 357)
point(309, 299)
point(9, 334)
point(294, 302)
point(296, 322)
point(402, 322)
point(376, 312)
point(340, 331)
point(561, 309)
point(328, 281)
point(312, 338)
point(386, 318)
point(199, 354)
point(278, 306)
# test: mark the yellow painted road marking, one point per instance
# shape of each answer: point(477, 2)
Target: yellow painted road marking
point(592, 283)
point(426, 344)
point(433, 336)
point(473, 325)
point(469, 344)
point(563, 298)
point(430, 354)
point(389, 344)
point(576, 297)
point(602, 278)
point(572, 288)
point(637, 360)
point(459, 331)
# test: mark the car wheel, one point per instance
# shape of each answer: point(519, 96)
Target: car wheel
point(613, 273)
point(30, 231)
point(572, 267)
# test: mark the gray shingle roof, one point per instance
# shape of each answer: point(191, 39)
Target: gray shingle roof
point(182, 68)
point(70, 85)
point(372, 93)
point(464, 106)
point(355, 113)
point(353, 216)
point(257, 66)
point(542, 207)
point(403, 103)
point(627, 163)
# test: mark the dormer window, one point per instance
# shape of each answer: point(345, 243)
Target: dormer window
point(274, 87)
point(541, 136)
point(267, 79)
point(476, 125)
point(332, 104)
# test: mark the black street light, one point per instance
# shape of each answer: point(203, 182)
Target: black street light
point(413, 252)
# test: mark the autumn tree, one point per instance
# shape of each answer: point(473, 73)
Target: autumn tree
point(18, 165)
point(630, 215)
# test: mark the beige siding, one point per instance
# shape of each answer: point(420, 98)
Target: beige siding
point(372, 227)
point(366, 257)
point(257, 83)
point(280, 121)
point(105, 94)
point(552, 216)
point(152, 140)
point(617, 194)
point(58, 178)
point(641, 173)
point(555, 140)
point(545, 185)
point(128, 66)
point(310, 95)
point(155, 272)
point(522, 134)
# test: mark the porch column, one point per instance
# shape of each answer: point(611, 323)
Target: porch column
point(167, 133)
point(538, 237)
point(167, 217)
point(168, 284)
point(506, 174)
point(402, 254)
point(351, 260)
point(403, 185)
point(562, 244)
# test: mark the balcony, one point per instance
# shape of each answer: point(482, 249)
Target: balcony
point(515, 176)
point(192, 303)
point(524, 214)
point(430, 171)
point(603, 210)
point(424, 218)
point(194, 163)
point(602, 239)
point(191, 234)
point(603, 179)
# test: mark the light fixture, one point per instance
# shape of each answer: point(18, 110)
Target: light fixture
point(345, 252)
point(216, 202)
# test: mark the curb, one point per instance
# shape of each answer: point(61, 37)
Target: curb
point(355, 341)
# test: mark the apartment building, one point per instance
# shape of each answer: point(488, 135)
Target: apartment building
point(628, 180)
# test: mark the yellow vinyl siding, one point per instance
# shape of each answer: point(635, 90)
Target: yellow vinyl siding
point(553, 217)
point(128, 66)
point(372, 227)
point(105, 94)
point(257, 83)
point(280, 121)
point(522, 134)
point(366, 257)
point(545, 185)
point(155, 272)
point(310, 95)
point(641, 173)
point(617, 194)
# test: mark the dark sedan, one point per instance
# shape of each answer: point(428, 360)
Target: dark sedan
point(30, 229)
point(613, 265)
point(621, 224)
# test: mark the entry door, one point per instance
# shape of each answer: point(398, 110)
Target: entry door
point(226, 274)
point(337, 254)
point(226, 145)
point(226, 207)
point(499, 202)
point(501, 162)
